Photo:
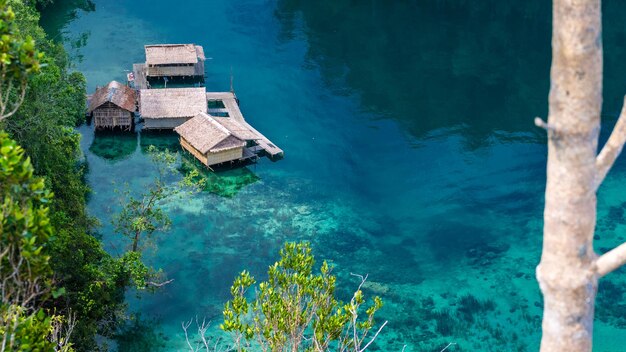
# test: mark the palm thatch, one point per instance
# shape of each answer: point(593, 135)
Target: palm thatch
point(172, 102)
point(164, 54)
point(206, 134)
point(200, 53)
point(236, 128)
point(115, 93)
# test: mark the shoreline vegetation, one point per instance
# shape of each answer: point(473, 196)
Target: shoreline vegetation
point(63, 291)
point(87, 283)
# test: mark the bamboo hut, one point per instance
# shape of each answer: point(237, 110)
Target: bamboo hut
point(113, 106)
point(174, 60)
point(215, 140)
point(170, 107)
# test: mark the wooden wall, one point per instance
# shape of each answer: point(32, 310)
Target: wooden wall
point(160, 71)
point(109, 116)
point(225, 155)
point(195, 152)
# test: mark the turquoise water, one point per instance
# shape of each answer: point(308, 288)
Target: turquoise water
point(410, 156)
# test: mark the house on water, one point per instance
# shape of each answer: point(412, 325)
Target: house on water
point(216, 140)
point(170, 107)
point(174, 60)
point(113, 106)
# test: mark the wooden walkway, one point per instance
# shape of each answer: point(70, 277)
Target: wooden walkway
point(232, 108)
point(141, 78)
point(141, 81)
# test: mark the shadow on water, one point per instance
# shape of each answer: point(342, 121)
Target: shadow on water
point(433, 64)
point(117, 146)
point(224, 183)
point(140, 335)
point(482, 67)
point(113, 146)
point(56, 15)
point(160, 139)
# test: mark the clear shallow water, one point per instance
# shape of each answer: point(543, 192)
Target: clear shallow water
point(410, 156)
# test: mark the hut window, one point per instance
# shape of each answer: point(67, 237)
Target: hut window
point(216, 104)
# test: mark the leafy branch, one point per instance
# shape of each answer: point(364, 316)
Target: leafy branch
point(143, 215)
point(296, 309)
point(18, 61)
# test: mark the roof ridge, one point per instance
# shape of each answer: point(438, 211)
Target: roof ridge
point(217, 124)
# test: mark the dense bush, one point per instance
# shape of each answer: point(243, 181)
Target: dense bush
point(24, 252)
point(93, 281)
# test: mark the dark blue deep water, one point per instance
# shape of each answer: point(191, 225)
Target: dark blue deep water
point(411, 156)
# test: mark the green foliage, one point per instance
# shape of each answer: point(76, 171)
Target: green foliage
point(135, 271)
point(54, 103)
point(18, 56)
point(24, 222)
point(144, 215)
point(296, 309)
point(93, 281)
point(24, 253)
point(29, 331)
point(19, 59)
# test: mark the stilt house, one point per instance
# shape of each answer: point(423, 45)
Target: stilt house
point(170, 107)
point(113, 106)
point(215, 140)
point(174, 60)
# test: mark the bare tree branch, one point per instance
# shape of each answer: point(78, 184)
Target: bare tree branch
point(542, 124)
point(612, 148)
point(4, 101)
point(450, 344)
point(611, 260)
point(158, 284)
point(62, 328)
point(374, 337)
point(185, 326)
point(202, 341)
point(202, 328)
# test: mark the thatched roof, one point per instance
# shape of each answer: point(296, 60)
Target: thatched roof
point(115, 93)
point(200, 53)
point(206, 134)
point(172, 102)
point(236, 128)
point(161, 54)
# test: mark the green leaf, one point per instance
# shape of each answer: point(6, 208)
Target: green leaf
point(58, 292)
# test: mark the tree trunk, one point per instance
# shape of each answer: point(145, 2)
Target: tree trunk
point(136, 241)
point(566, 274)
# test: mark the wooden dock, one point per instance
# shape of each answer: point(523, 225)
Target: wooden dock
point(231, 106)
point(139, 71)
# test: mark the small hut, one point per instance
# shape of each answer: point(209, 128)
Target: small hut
point(174, 60)
point(113, 106)
point(170, 107)
point(215, 140)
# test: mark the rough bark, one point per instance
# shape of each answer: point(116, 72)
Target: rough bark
point(566, 273)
